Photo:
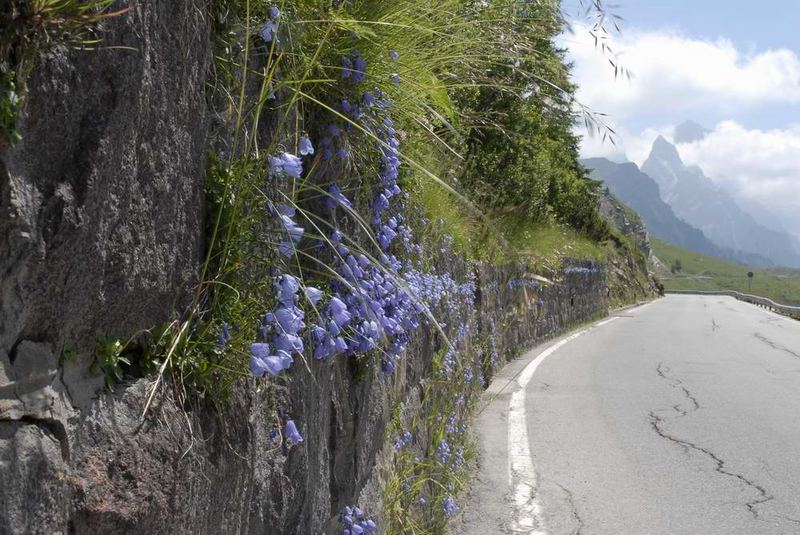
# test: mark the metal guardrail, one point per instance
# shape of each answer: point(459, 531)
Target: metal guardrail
point(753, 299)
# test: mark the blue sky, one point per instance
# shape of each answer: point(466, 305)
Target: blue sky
point(753, 26)
point(731, 65)
point(749, 23)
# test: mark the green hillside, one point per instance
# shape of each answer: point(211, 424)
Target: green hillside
point(700, 272)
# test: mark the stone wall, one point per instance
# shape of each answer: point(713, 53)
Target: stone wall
point(202, 470)
point(526, 312)
point(101, 233)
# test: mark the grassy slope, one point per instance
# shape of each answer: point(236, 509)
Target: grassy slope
point(700, 272)
point(503, 239)
point(546, 244)
point(542, 245)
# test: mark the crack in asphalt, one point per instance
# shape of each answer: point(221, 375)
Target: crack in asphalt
point(773, 321)
point(657, 423)
point(773, 345)
point(574, 508)
point(677, 383)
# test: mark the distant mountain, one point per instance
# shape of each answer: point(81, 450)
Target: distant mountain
point(699, 201)
point(689, 132)
point(641, 193)
point(761, 213)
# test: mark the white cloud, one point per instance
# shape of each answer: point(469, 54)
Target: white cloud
point(676, 77)
point(595, 146)
point(760, 165)
point(627, 146)
point(763, 165)
point(675, 73)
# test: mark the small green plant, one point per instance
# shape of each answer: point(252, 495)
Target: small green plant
point(38, 23)
point(68, 353)
point(29, 27)
point(431, 458)
point(109, 360)
point(9, 103)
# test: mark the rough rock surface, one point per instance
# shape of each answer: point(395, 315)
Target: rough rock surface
point(100, 231)
point(100, 219)
point(628, 222)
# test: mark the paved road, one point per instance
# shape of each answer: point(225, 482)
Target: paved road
point(678, 417)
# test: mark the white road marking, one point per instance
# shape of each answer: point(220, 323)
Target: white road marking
point(638, 308)
point(521, 473)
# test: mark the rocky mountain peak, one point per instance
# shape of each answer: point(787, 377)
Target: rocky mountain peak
point(665, 151)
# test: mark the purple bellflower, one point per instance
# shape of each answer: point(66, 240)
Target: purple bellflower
point(291, 432)
point(306, 147)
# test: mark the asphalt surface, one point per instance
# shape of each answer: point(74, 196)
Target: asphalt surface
point(678, 417)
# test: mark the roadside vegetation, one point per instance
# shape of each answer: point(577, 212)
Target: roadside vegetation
point(687, 270)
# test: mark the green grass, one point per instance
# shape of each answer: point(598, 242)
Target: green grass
point(545, 244)
point(417, 472)
point(700, 272)
point(472, 236)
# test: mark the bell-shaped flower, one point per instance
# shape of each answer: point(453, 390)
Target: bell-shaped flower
point(338, 311)
point(287, 289)
point(289, 343)
point(224, 336)
point(341, 345)
point(262, 363)
point(291, 432)
point(286, 249)
point(347, 67)
point(290, 319)
point(305, 146)
point(295, 231)
point(286, 210)
point(449, 506)
point(359, 69)
point(318, 334)
point(336, 197)
point(380, 204)
point(333, 328)
point(268, 31)
point(292, 165)
point(326, 347)
point(313, 294)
